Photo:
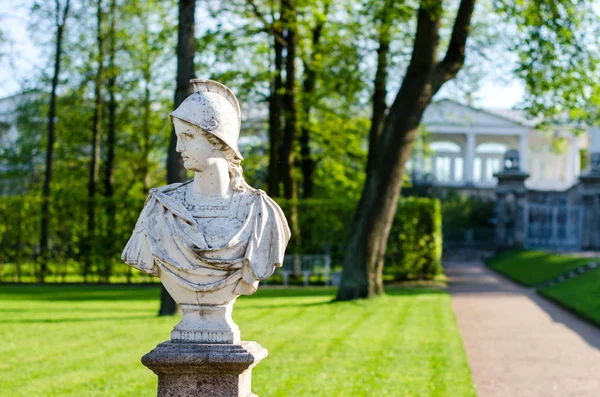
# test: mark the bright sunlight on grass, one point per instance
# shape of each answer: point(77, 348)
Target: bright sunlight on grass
point(88, 341)
point(531, 268)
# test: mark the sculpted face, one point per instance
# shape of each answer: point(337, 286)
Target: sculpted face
point(197, 152)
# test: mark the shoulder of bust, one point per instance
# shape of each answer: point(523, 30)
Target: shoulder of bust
point(261, 194)
point(245, 201)
point(169, 188)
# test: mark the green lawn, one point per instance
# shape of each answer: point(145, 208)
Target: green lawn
point(531, 268)
point(88, 341)
point(580, 294)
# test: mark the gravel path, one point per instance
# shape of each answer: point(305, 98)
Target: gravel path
point(519, 344)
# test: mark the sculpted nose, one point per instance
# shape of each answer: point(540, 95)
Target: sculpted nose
point(179, 148)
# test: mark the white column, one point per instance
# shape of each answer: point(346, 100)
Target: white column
point(469, 158)
point(523, 151)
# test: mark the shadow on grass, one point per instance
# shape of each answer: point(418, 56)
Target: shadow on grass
point(73, 320)
point(110, 293)
point(79, 310)
point(80, 292)
point(395, 291)
point(409, 291)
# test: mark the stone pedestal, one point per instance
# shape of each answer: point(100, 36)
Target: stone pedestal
point(206, 324)
point(207, 370)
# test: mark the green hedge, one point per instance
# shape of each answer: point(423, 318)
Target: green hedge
point(415, 244)
point(414, 247)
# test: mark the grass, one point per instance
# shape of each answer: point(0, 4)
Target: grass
point(532, 268)
point(580, 294)
point(88, 341)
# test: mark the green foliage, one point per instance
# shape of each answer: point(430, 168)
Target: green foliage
point(531, 268)
point(557, 46)
point(583, 158)
point(414, 248)
point(415, 242)
point(20, 217)
point(99, 333)
point(467, 212)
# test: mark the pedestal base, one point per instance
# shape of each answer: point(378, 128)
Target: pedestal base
point(206, 324)
point(195, 370)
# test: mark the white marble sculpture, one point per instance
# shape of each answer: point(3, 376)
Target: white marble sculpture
point(212, 238)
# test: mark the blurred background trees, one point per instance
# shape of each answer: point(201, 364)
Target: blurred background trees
point(316, 80)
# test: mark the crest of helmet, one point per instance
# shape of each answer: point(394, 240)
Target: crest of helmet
point(215, 109)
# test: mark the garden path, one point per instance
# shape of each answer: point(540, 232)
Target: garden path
point(518, 343)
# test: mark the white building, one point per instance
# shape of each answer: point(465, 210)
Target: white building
point(466, 147)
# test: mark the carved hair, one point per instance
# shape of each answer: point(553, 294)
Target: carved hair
point(238, 183)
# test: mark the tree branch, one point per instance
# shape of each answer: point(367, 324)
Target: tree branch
point(427, 37)
point(455, 55)
point(269, 27)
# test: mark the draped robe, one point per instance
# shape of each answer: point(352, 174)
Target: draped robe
point(208, 248)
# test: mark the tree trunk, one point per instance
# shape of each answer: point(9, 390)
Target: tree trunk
point(96, 136)
point(147, 74)
point(186, 48)
point(19, 258)
point(363, 259)
point(310, 81)
point(290, 189)
point(146, 133)
point(168, 306)
point(290, 24)
point(379, 92)
point(111, 208)
point(275, 119)
point(60, 27)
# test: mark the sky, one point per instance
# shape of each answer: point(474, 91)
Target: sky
point(23, 58)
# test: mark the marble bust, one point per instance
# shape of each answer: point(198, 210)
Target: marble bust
point(214, 237)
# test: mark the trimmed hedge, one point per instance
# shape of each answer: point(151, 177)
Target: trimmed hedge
point(414, 246)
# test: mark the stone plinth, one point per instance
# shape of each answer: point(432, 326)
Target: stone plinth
point(511, 183)
point(206, 324)
point(207, 370)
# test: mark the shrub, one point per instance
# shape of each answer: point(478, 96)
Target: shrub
point(414, 248)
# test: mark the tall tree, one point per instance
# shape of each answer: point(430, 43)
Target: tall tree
point(186, 49)
point(111, 138)
point(289, 18)
point(96, 138)
point(383, 18)
point(276, 28)
point(275, 110)
point(425, 75)
point(308, 87)
point(60, 21)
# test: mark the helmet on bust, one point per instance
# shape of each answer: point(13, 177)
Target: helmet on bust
point(215, 109)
